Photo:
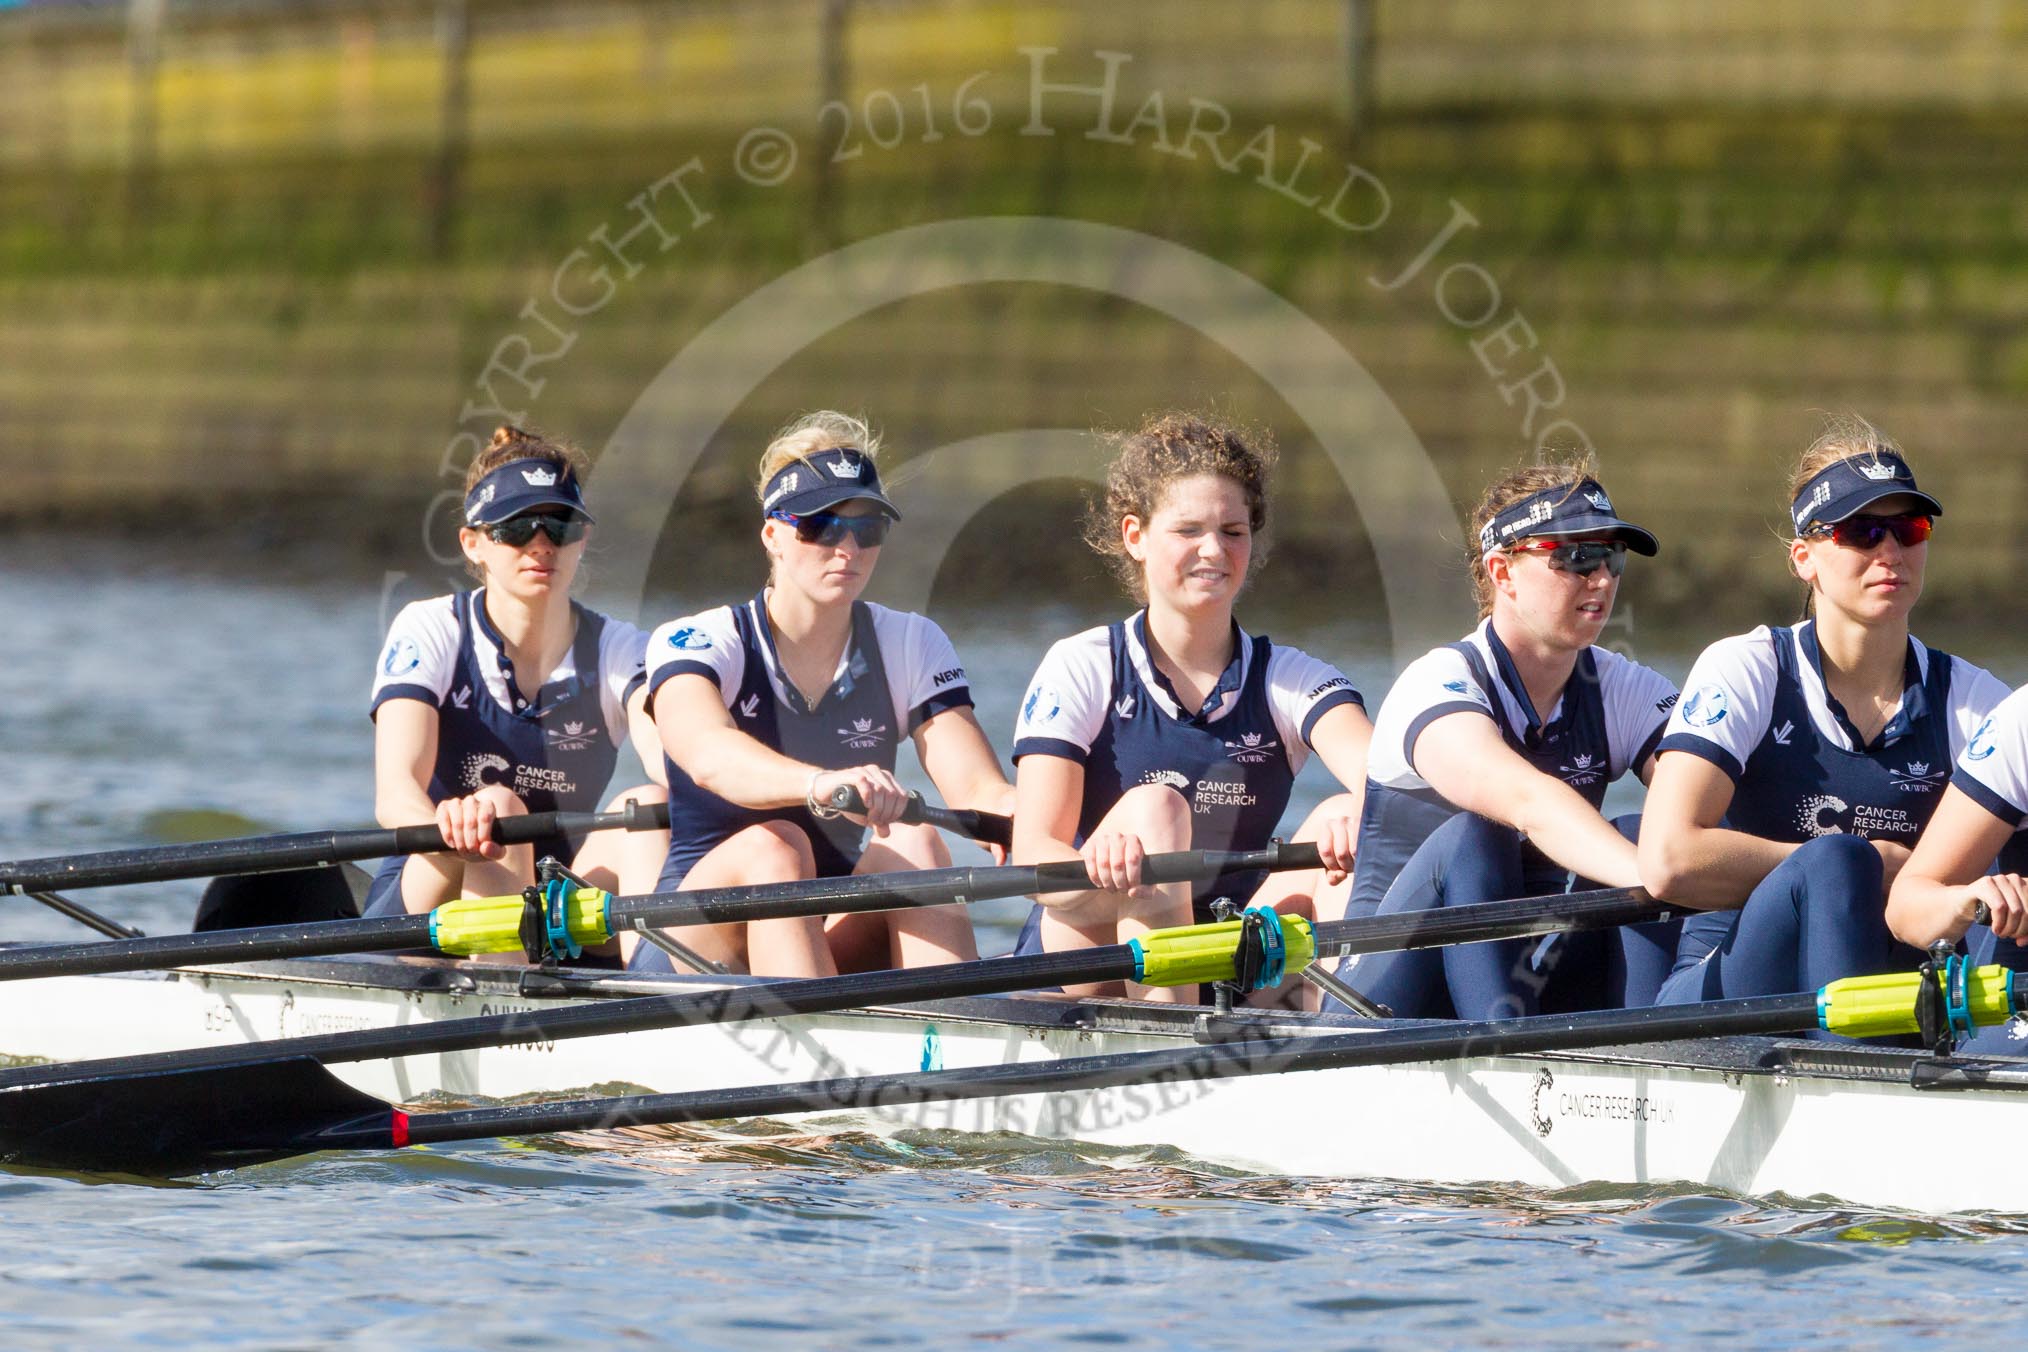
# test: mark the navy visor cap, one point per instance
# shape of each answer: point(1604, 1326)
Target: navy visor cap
point(1564, 512)
point(522, 486)
point(823, 481)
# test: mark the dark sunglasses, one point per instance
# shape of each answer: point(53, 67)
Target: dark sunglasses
point(1866, 532)
point(829, 528)
point(517, 531)
point(1582, 558)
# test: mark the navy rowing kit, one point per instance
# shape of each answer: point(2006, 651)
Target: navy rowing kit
point(1098, 700)
point(1758, 708)
point(897, 671)
point(1993, 772)
point(555, 751)
point(1419, 851)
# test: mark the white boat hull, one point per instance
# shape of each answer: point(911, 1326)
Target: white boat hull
point(1745, 1115)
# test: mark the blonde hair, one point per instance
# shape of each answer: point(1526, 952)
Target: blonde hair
point(1845, 436)
point(1169, 447)
point(1523, 481)
point(811, 436)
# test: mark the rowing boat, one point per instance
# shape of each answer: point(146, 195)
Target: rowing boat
point(1750, 1115)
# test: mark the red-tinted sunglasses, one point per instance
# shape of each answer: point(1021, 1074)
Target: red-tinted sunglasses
point(1582, 557)
point(1866, 532)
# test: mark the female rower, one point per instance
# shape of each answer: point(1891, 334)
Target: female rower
point(1492, 756)
point(765, 709)
point(1175, 729)
point(508, 699)
point(1975, 851)
point(1804, 761)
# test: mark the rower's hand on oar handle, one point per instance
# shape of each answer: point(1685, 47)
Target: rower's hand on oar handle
point(1113, 860)
point(865, 793)
point(2000, 900)
point(467, 824)
point(1337, 842)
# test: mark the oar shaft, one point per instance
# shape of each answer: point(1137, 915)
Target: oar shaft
point(928, 887)
point(1481, 922)
point(810, 896)
point(322, 938)
point(757, 1000)
point(297, 850)
point(1213, 1061)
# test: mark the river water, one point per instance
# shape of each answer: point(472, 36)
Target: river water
point(150, 701)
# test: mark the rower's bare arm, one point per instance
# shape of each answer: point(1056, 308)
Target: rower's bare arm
point(698, 735)
point(1465, 759)
point(404, 757)
point(645, 737)
point(960, 762)
point(1686, 857)
point(1341, 739)
point(1945, 879)
point(1047, 792)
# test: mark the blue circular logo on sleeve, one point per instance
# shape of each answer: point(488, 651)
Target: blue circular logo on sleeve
point(1706, 706)
point(690, 640)
point(1041, 706)
point(402, 657)
point(1982, 744)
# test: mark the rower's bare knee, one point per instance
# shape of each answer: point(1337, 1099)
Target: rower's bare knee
point(503, 800)
point(907, 847)
point(769, 852)
point(1157, 813)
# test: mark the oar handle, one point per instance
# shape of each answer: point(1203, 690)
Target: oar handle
point(426, 839)
point(297, 850)
point(988, 827)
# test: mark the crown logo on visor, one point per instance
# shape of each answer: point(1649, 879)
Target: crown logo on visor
point(1600, 501)
point(845, 467)
point(540, 478)
point(1884, 469)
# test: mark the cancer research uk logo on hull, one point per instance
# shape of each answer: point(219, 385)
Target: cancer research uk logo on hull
point(1706, 707)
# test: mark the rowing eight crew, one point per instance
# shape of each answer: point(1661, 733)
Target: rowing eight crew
point(1787, 792)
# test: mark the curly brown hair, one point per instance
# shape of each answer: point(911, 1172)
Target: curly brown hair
point(1166, 448)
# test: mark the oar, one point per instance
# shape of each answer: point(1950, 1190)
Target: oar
point(191, 1121)
point(987, 827)
point(572, 918)
point(1177, 957)
point(296, 850)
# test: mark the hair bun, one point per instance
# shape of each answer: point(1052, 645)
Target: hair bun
point(506, 434)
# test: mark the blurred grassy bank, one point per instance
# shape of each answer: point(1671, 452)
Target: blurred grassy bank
point(272, 255)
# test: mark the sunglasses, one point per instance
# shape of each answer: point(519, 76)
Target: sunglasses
point(1866, 532)
point(1583, 558)
point(517, 531)
point(829, 528)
